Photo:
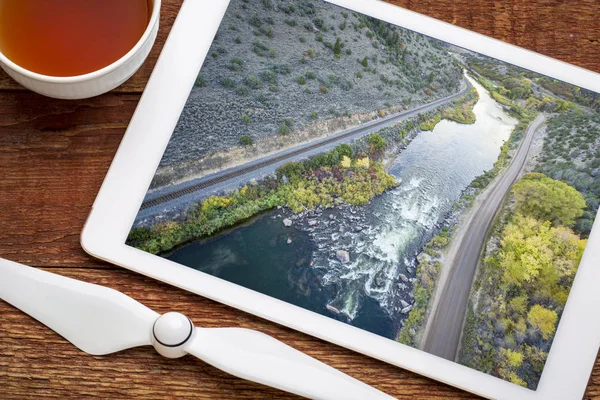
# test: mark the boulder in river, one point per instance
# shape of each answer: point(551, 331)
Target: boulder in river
point(289, 240)
point(406, 310)
point(403, 277)
point(312, 222)
point(287, 222)
point(343, 256)
point(404, 304)
point(332, 309)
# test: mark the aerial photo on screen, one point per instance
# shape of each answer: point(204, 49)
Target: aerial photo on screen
point(405, 186)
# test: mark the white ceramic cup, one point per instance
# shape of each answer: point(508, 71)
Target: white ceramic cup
point(95, 83)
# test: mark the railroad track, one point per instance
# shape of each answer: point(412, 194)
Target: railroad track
point(304, 149)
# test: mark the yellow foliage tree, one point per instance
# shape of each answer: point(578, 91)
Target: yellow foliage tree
point(346, 162)
point(363, 162)
point(548, 199)
point(542, 319)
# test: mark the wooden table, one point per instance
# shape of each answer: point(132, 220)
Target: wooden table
point(53, 158)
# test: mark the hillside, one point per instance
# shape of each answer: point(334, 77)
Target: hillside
point(277, 66)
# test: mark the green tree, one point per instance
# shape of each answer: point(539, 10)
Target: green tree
point(246, 119)
point(534, 252)
point(344, 150)
point(548, 199)
point(246, 140)
point(543, 320)
point(284, 129)
point(376, 143)
point(293, 171)
point(337, 48)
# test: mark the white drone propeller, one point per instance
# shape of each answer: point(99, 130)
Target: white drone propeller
point(99, 321)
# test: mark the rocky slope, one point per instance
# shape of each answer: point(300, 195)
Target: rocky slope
point(277, 66)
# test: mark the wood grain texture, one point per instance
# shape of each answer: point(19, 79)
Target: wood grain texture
point(53, 158)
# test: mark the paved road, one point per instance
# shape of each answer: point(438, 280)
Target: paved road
point(231, 178)
point(445, 327)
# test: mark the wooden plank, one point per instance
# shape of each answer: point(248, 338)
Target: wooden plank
point(568, 31)
point(53, 157)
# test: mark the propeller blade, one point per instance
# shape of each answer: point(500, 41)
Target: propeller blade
point(99, 321)
point(96, 319)
point(257, 357)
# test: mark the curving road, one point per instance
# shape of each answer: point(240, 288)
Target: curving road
point(444, 328)
point(232, 177)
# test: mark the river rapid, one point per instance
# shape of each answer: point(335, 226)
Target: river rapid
point(372, 290)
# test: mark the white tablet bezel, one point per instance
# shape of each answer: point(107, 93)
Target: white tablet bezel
point(577, 339)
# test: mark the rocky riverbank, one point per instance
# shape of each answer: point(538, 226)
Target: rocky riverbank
point(341, 235)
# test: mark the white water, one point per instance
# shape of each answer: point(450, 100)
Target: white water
point(434, 170)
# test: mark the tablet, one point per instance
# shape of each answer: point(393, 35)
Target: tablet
point(378, 179)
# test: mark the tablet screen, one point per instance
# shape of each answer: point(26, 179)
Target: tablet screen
point(397, 183)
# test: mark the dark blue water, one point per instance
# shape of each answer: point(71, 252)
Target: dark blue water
point(259, 257)
point(382, 238)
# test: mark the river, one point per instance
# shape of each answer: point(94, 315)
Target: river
point(299, 264)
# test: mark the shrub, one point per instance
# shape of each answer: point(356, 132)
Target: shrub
point(291, 22)
point(314, 115)
point(228, 83)
point(238, 40)
point(242, 90)
point(263, 99)
point(301, 80)
point(344, 150)
point(200, 81)
point(337, 48)
point(310, 75)
point(236, 64)
point(246, 140)
point(246, 119)
point(260, 49)
point(291, 170)
point(376, 143)
point(365, 62)
point(311, 53)
point(253, 81)
point(289, 122)
point(320, 24)
point(284, 129)
point(324, 90)
point(281, 69)
point(268, 76)
point(255, 21)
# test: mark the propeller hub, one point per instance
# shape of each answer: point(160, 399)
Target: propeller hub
point(170, 333)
